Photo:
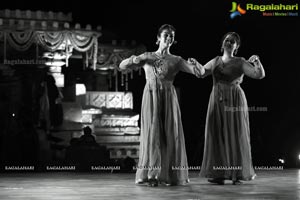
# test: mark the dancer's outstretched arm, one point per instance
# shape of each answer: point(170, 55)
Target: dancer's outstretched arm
point(206, 69)
point(192, 68)
point(134, 61)
point(253, 67)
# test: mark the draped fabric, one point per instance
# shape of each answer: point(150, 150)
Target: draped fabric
point(20, 40)
point(53, 40)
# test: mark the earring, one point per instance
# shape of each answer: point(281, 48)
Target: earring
point(157, 42)
point(235, 51)
point(175, 42)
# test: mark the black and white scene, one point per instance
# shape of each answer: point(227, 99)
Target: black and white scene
point(149, 100)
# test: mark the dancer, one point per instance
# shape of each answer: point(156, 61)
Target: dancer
point(162, 157)
point(227, 150)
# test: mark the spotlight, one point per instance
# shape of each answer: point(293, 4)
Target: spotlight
point(281, 160)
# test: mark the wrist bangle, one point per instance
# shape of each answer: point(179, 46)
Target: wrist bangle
point(131, 60)
point(133, 57)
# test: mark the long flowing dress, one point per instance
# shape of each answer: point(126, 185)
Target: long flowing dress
point(227, 150)
point(162, 153)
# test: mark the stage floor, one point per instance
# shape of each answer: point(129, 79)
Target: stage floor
point(276, 184)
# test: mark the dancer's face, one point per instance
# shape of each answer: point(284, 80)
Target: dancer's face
point(166, 38)
point(230, 43)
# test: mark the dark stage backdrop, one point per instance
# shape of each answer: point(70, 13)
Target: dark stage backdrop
point(200, 26)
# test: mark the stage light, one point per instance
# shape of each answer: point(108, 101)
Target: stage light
point(13, 114)
point(299, 156)
point(80, 89)
point(55, 63)
point(281, 160)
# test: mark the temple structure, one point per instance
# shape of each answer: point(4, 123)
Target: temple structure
point(35, 44)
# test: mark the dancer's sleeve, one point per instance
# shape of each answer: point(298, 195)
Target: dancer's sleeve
point(187, 67)
point(255, 70)
point(133, 62)
point(208, 67)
